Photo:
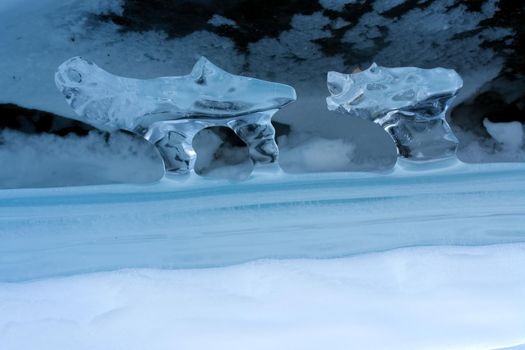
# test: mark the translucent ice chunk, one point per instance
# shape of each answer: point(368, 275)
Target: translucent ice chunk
point(169, 111)
point(410, 103)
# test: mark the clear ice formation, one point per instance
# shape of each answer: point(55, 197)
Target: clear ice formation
point(170, 111)
point(409, 103)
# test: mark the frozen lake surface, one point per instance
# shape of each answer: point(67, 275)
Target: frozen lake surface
point(212, 223)
point(114, 267)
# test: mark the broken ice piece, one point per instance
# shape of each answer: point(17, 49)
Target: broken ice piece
point(409, 103)
point(169, 111)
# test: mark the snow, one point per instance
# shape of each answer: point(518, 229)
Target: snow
point(218, 20)
point(510, 135)
point(488, 151)
point(503, 146)
point(46, 160)
point(413, 298)
point(316, 154)
point(233, 163)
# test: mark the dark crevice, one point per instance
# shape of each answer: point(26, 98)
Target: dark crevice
point(255, 19)
point(406, 6)
point(511, 14)
point(471, 5)
point(489, 105)
point(334, 45)
point(37, 121)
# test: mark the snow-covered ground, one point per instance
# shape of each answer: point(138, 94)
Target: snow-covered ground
point(466, 296)
point(436, 297)
point(46, 160)
point(413, 298)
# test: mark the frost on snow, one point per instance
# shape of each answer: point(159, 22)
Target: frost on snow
point(510, 135)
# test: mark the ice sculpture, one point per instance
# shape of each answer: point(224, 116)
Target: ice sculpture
point(409, 103)
point(169, 111)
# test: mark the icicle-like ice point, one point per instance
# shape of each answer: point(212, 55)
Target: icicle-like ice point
point(409, 103)
point(170, 111)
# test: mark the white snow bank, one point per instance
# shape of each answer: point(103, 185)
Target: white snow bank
point(510, 135)
point(504, 146)
point(216, 160)
point(417, 298)
point(46, 160)
point(316, 154)
point(487, 152)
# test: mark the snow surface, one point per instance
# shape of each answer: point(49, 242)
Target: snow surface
point(414, 298)
point(46, 160)
point(474, 150)
point(316, 154)
point(510, 135)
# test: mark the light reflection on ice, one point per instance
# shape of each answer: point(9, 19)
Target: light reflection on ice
point(203, 223)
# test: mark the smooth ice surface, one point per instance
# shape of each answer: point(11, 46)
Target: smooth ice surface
point(410, 103)
point(169, 111)
point(374, 92)
point(111, 102)
point(207, 223)
point(417, 298)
